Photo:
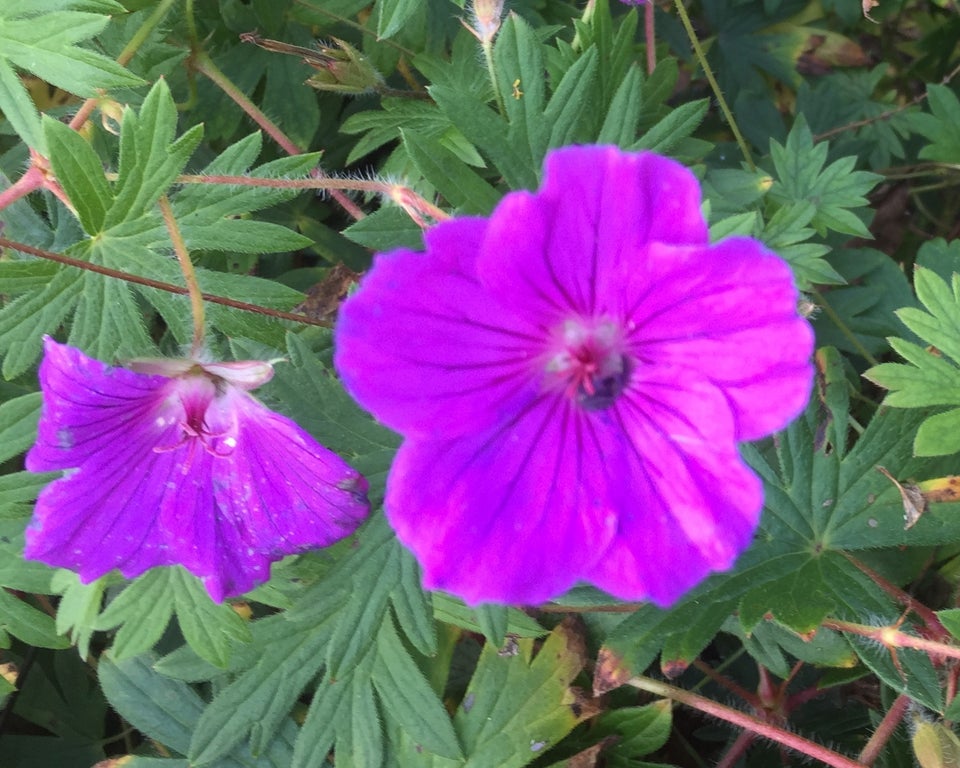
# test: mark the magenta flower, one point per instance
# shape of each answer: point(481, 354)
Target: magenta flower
point(571, 376)
point(174, 464)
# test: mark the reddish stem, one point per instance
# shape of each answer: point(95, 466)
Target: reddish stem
point(749, 698)
point(745, 721)
point(737, 750)
point(204, 64)
point(31, 181)
point(159, 285)
point(926, 615)
point(650, 35)
point(888, 725)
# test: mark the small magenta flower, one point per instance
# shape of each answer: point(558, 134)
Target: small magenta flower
point(571, 376)
point(175, 463)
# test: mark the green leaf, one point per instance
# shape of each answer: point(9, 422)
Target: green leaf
point(392, 15)
point(144, 609)
point(17, 107)
point(168, 710)
point(939, 435)
point(942, 127)
point(672, 129)
point(519, 65)
point(150, 155)
point(80, 172)
point(408, 699)
point(42, 40)
point(292, 647)
point(29, 624)
point(573, 104)
point(639, 730)
point(620, 124)
point(786, 233)
point(79, 607)
point(18, 424)
point(455, 180)
point(803, 175)
point(212, 630)
point(517, 707)
point(800, 600)
point(875, 288)
point(452, 611)
point(24, 321)
point(931, 376)
point(385, 230)
point(486, 129)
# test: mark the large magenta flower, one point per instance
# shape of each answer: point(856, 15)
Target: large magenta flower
point(176, 463)
point(572, 376)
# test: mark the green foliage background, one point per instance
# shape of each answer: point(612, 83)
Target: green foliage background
point(847, 165)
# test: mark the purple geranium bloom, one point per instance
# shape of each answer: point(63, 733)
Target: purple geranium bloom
point(572, 376)
point(176, 463)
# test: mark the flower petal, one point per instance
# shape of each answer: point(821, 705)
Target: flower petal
point(727, 313)
point(596, 210)
point(89, 407)
point(424, 346)
point(139, 493)
point(689, 505)
point(281, 490)
point(515, 514)
point(644, 499)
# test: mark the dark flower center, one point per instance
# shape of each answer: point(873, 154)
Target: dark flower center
point(590, 365)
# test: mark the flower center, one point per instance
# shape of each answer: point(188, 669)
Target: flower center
point(202, 419)
point(590, 365)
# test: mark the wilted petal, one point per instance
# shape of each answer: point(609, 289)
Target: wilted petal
point(188, 470)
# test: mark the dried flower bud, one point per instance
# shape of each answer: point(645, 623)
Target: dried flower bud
point(343, 69)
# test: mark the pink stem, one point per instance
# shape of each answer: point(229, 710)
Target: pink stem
point(885, 730)
point(204, 64)
point(745, 721)
point(650, 36)
point(31, 181)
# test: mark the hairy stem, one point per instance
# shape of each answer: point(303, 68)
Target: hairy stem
point(138, 39)
point(888, 725)
point(843, 328)
point(714, 85)
point(650, 36)
point(157, 284)
point(189, 274)
point(745, 721)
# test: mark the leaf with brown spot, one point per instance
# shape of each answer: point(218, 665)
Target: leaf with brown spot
point(610, 672)
point(941, 489)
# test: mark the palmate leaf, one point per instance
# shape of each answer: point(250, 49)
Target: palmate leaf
point(941, 127)
point(168, 710)
point(803, 175)
point(822, 499)
point(144, 608)
point(340, 629)
point(931, 376)
point(127, 234)
point(41, 37)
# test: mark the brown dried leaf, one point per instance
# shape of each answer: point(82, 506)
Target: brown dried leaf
point(610, 672)
point(914, 502)
point(324, 299)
